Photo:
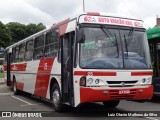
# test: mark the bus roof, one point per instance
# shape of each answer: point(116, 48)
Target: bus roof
point(153, 33)
point(76, 18)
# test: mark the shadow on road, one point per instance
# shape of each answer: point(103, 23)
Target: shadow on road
point(85, 109)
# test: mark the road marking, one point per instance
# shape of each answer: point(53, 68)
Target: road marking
point(151, 118)
point(10, 93)
point(30, 104)
point(22, 100)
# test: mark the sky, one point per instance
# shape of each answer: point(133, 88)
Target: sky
point(49, 12)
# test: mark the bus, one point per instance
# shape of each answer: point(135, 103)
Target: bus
point(93, 57)
point(1, 67)
point(153, 35)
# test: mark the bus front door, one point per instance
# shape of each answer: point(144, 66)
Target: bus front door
point(8, 69)
point(67, 68)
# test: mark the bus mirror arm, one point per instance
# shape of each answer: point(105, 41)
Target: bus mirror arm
point(80, 35)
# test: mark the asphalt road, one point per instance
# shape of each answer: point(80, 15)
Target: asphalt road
point(90, 111)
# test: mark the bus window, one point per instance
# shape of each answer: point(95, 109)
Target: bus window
point(38, 47)
point(21, 52)
point(29, 50)
point(13, 55)
point(51, 44)
point(16, 53)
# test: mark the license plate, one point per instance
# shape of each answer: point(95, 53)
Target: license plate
point(124, 92)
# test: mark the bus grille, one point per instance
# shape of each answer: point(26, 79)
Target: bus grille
point(114, 94)
point(119, 83)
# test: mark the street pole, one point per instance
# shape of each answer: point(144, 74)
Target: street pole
point(83, 6)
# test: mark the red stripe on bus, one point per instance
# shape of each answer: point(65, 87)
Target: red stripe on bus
point(20, 86)
point(5, 67)
point(62, 26)
point(141, 73)
point(18, 67)
point(42, 80)
point(85, 73)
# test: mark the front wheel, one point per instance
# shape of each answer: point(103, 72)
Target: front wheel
point(56, 98)
point(111, 104)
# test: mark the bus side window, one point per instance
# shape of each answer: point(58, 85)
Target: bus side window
point(51, 44)
point(22, 52)
point(38, 47)
point(13, 55)
point(29, 50)
point(16, 54)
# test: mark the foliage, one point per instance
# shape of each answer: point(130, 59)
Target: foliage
point(5, 36)
point(14, 32)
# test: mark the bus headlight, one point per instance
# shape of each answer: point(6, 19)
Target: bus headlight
point(83, 81)
point(89, 80)
point(144, 80)
point(149, 80)
point(97, 81)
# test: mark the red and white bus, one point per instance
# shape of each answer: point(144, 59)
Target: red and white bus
point(92, 57)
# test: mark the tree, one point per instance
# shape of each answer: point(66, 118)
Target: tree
point(21, 31)
point(5, 36)
point(18, 31)
point(33, 28)
point(14, 32)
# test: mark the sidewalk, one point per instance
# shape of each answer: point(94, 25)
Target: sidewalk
point(1, 81)
point(4, 89)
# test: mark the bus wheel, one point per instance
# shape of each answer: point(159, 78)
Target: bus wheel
point(111, 104)
point(56, 98)
point(15, 90)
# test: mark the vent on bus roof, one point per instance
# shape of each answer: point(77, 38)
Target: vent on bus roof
point(93, 13)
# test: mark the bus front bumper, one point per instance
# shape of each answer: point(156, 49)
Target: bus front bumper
point(100, 95)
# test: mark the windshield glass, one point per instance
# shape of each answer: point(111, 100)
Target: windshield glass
point(114, 48)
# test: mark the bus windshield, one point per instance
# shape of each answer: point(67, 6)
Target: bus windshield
point(114, 48)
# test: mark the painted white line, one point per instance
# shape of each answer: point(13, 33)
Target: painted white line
point(30, 104)
point(21, 100)
point(10, 93)
point(151, 118)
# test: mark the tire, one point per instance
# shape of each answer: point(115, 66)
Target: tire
point(111, 104)
point(15, 90)
point(56, 98)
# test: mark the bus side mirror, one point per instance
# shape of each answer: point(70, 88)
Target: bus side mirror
point(80, 35)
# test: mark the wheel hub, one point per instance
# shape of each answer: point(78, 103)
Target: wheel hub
point(56, 97)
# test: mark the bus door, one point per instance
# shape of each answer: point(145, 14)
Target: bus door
point(67, 68)
point(8, 57)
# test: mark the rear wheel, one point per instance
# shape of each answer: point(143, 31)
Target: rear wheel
point(56, 98)
point(15, 90)
point(111, 104)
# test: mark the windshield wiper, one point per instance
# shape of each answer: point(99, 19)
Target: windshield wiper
point(126, 45)
point(131, 32)
point(109, 34)
point(116, 45)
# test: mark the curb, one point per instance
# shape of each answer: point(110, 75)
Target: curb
point(1, 83)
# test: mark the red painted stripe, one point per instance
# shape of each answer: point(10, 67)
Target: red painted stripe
point(85, 73)
point(142, 73)
point(62, 26)
point(20, 86)
point(93, 13)
point(5, 67)
point(17, 67)
point(93, 95)
point(42, 80)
